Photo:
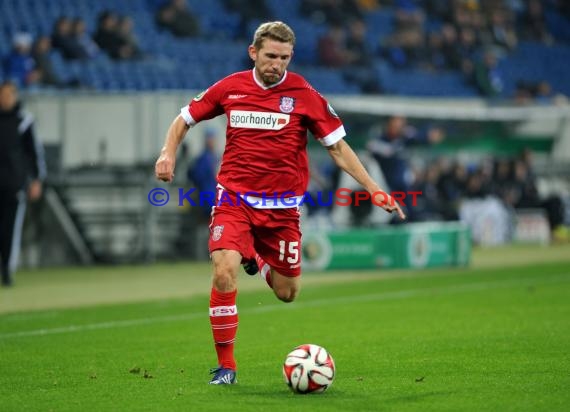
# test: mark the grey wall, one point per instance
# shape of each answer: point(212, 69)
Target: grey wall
point(122, 129)
point(119, 129)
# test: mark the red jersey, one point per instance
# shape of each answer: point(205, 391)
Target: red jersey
point(266, 132)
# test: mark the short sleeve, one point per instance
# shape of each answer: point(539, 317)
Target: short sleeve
point(324, 123)
point(206, 105)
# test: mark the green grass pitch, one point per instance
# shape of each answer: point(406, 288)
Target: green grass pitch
point(491, 338)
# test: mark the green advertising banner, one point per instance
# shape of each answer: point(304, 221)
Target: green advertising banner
point(408, 246)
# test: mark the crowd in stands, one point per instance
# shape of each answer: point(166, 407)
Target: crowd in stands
point(464, 36)
point(511, 180)
point(115, 37)
point(434, 35)
point(441, 183)
point(30, 61)
point(445, 184)
point(176, 17)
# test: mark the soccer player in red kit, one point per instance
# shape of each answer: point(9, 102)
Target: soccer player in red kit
point(263, 176)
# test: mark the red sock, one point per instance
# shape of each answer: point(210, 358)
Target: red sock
point(224, 321)
point(264, 270)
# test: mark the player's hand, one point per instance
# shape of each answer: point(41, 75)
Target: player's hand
point(389, 204)
point(164, 167)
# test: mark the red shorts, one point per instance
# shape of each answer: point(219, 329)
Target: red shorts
point(273, 233)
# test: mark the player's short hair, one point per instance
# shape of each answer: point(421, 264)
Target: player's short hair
point(274, 30)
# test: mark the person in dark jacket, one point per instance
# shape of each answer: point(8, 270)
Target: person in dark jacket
point(22, 168)
point(204, 170)
point(389, 148)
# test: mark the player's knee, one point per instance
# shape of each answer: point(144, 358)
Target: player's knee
point(224, 278)
point(223, 283)
point(286, 295)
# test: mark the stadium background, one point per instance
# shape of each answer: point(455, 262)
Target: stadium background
point(103, 125)
point(104, 122)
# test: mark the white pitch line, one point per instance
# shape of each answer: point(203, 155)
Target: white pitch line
point(382, 296)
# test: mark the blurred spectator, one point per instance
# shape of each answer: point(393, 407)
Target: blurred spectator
point(435, 58)
point(476, 187)
point(249, 11)
point(529, 197)
point(478, 22)
point(315, 11)
point(452, 183)
point(526, 192)
point(488, 78)
point(502, 30)
point(545, 94)
point(430, 204)
point(461, 16)
point(389, 150)
point(356, 43)
point(22, 168)
point(449, 47)
point(106, 36)
point(349, 55)
point(129, 44)
point(563, 6)
point(84, 44)
point(408, 15)
point(361, 70)
point(62, 39)
point(322, 184)
point(176, 17)
point(368, 5)
point(41, 53)
point(537, 93)
point(114, 36)
point(438, 8)
point(533, 23)
point(333, 12)
point(19, 66)
point(523, 92)
point(467, 47)
point(502, 185)
point(332, 48)
point(204, 169)
point(405, 48)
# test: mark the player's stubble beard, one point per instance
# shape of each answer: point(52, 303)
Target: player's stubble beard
point(270, 79)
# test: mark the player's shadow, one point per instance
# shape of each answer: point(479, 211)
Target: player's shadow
point(335, 397)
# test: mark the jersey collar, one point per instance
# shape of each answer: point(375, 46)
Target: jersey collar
point(267, 87)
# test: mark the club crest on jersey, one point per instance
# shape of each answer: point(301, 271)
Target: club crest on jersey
point(217, 232)
point(286, 104)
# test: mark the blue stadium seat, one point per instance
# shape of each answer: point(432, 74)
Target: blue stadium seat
point(380, 24)
point(283, 12)
point(535, 62)
point(421, 83)
point(328, 81)
point(196, 63)
point(558, 25)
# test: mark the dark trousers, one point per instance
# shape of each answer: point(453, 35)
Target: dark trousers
point(12, 211)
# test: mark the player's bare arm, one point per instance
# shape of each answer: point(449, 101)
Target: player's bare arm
point(164, 167)
point(347, 160)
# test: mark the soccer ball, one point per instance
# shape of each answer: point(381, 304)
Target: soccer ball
point(309, 369)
